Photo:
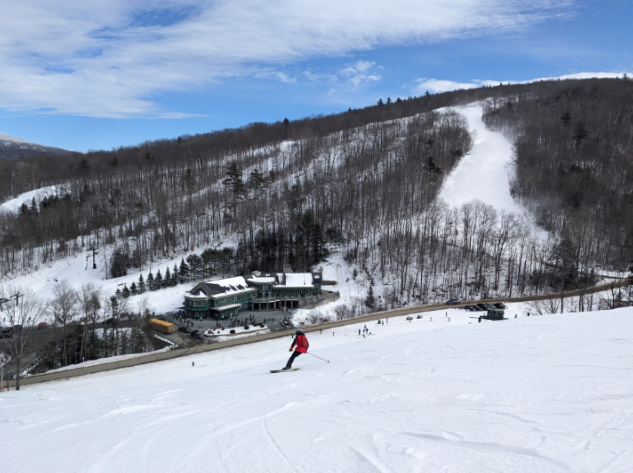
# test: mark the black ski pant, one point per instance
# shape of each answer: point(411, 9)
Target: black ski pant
point(292, 359)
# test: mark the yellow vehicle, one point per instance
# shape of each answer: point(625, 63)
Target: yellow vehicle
point(162, 326)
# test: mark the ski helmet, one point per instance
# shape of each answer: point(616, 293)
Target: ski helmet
point(299, 331)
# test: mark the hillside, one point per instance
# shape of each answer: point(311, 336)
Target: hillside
point(573, 144)
point(414, 198)
point(12, 148)
point(532, 394)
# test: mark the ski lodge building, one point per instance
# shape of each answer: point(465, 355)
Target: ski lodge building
point(226, 298)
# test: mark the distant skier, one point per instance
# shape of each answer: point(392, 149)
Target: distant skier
point(300, 345)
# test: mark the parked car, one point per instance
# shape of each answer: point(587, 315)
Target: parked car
point(184, 329)
point(500, 305)
point(469, 307)
point(489, 306)
point(42, 325)
point(109, 321)
point(481, 306)
point(452, 302)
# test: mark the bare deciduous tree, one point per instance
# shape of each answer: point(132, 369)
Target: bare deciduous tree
point(21, 313)
point(63, 309)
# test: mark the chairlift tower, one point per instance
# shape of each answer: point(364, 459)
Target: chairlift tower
point(94, 249)
point(17, 296)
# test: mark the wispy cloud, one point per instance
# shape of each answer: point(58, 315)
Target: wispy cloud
point(360, 73)
point(108, 58)
point(442, 85)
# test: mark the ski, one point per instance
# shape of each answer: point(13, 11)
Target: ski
point(284, 371)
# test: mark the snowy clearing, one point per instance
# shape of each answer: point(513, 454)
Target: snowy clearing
point(484, 173)
point(532, 394)
point(14, 205)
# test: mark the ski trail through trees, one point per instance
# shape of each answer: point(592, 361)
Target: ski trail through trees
point(484, 173)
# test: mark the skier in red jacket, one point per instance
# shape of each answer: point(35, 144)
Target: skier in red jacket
point(300, 345)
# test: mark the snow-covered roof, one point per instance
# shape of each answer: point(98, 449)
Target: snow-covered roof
point(230, 283)
point(224, 287)
point(189, 295)
point(264, 280)
point(296, 280)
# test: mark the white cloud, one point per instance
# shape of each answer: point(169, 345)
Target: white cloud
point(360, 73)
point(439, 85)
point(108, 58)
point(585, 75)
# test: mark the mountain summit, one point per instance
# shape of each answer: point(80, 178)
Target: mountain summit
point(12, 147)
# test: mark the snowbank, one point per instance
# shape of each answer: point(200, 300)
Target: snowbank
point(110, 359)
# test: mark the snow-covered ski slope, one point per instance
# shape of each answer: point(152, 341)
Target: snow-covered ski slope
point(484, 173)
point(14, 205)
point(537, 394)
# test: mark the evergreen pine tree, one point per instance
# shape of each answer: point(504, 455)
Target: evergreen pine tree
point(174, 275)
point(370, 300)
point(118, 293)
point(184, 272)
point(141, 284)
point(167, 281)
point(118, 263)
point(33, 207)
point(150, 281)
point(195, 265)
point(115, 302)
point(235, 184)
point(158, 282)
point(580, 133)
point(133, 289)
point(125, 292)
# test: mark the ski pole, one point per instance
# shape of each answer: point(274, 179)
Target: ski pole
point(316, 356)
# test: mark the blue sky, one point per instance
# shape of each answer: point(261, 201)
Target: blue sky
point(102, 74)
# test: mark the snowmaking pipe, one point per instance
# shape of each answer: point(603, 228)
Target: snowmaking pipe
point(316, 356)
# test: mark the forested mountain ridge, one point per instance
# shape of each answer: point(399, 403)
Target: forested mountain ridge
point(152, 211)
point(363, 182)
point(12, 147)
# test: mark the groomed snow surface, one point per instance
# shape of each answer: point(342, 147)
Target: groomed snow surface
point(532, 394)
point(484, 173)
